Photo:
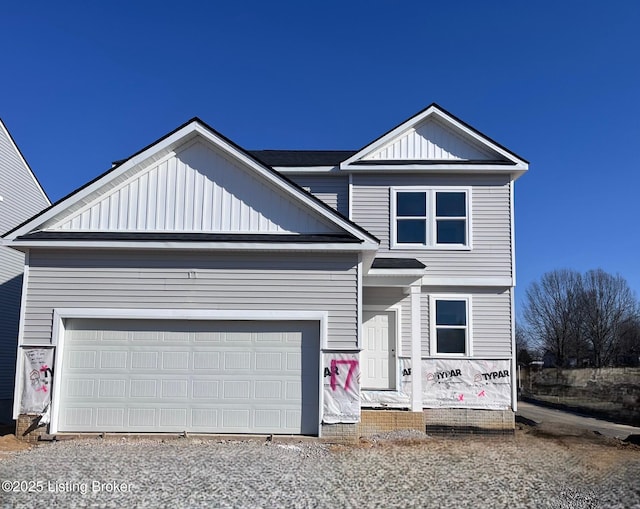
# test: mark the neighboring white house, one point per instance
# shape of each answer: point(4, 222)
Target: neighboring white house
point(200, 287)
point(20, 198)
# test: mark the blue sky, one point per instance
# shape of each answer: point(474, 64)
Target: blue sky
point(85, 83)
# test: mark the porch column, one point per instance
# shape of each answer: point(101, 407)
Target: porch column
point(415, 291)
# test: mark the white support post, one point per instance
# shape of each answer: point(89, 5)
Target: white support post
point(416, 349)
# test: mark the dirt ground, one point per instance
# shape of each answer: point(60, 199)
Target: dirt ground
point(599, 448)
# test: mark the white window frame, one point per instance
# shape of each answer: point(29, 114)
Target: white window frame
point(433, 343)
point(430, 219)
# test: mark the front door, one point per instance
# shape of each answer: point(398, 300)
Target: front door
point(378, 355)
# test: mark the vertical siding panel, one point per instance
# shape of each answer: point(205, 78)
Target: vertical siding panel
point(171, 196)
point(189, 192)
point(152, 186)
point(161, 202)
point(133, 204)
point(113, 211)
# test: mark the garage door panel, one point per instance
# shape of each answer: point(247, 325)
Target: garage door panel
point(236, 377)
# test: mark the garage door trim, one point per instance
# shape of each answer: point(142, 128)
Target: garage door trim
point(61, 314)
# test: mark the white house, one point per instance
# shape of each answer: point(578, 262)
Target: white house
point(200, 287)
point(21, 196)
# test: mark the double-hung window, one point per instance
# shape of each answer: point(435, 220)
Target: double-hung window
point(430, 218)
point(450, 318)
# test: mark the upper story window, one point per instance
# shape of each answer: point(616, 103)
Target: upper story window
point(430, 218)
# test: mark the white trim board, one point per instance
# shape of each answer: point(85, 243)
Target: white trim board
point(61, 314)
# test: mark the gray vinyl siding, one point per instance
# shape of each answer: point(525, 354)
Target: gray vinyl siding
point(333, 190)
point(490, 319)
point(490, 314)
point(491, 222)
point(11, 269)
point(21, 199)
point(178, 280)
point(21, 195)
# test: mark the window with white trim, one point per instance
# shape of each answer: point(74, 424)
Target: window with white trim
point(430, 218)
point(450, 319)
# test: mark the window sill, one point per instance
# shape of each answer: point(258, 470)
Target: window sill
point(420, 247)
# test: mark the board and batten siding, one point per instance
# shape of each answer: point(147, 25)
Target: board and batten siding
point(197, 189)
point(491, 222)
point(200, 281)
point(431, 140)
point(333, 190)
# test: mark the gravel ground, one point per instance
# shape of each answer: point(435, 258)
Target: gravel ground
point(531, 469)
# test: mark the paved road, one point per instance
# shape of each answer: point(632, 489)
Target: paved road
point(550, 416)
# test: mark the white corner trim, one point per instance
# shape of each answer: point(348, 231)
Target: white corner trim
point(512, 225)
point(359, 304)
point(416, 348)
point(514, 353)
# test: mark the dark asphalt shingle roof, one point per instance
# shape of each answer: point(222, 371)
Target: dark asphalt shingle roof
point(397, 263)
point(301, 157)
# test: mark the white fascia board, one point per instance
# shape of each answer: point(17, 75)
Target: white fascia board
point(302, 170)
point(21, 245)
point(396, 272)
point(172, 142)
point(515, 171)
point(519, 167)
point(479, 138)
point(35, 223)
point(397, 281)
point(503, 282)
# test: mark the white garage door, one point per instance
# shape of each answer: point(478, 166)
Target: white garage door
point(189, 375)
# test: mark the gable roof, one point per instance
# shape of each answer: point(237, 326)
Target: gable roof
point(60, 216)
point(21, 194)
point(435, 140)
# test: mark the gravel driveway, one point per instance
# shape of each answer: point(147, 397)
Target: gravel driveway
point(527, 470)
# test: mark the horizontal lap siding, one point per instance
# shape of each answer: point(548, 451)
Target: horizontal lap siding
point(492, 324)
point(11, 269)
point(490, 315)
point(491, 223)
point(264, 281)
point(334, 191)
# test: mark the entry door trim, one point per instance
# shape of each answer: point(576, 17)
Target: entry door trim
point(397, 310)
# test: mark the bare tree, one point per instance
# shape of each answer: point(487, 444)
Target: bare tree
point(552, 312)
point(608, 311)
point(628, 348)
point(523, 345)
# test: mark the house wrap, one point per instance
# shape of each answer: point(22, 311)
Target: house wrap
point(200, 287)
